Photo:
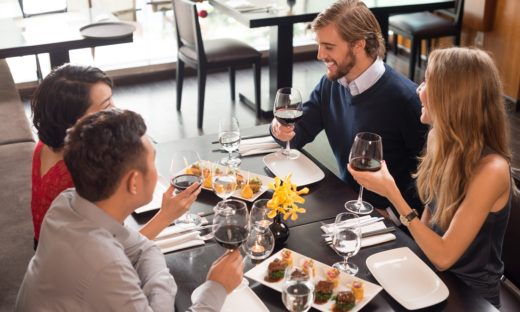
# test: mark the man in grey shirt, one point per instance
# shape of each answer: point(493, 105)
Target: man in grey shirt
point(87, 260)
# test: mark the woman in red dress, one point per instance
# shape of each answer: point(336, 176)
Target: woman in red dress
point(64, 96)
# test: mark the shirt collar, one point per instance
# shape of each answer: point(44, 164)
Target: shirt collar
point(367, 79)
point(93, 213)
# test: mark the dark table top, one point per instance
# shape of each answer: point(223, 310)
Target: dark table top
point(189, 267)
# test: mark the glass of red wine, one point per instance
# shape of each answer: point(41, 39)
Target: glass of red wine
point(288, 109)
point(231, 226)
point(366, 154)
point(186, 168)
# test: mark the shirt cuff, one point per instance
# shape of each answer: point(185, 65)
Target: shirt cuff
point(209, 295)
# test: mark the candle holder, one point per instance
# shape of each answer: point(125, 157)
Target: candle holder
point(260, 242)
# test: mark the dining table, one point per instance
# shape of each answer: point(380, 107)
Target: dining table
point(281, 15)
point(324, 201)
point(56, 34)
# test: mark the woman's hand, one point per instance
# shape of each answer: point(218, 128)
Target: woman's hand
point(174, 206)
point(380, 182)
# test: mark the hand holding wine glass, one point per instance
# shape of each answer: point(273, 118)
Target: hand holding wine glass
point(366, 154)
point(288, 109)
point(185, 169)
point(346, 241)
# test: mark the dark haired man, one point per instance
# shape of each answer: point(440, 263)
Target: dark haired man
point(360, 93)
point(88, 260)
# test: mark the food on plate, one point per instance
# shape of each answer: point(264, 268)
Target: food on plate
point(333, 276)
point(287, 256)
point(193, 169)
point(246, 192)
point(240, 180)
point(308, 267)
point(276, 270)
point(255, 184)
point(208, 182)
point(323, 292)
point(297, 273)
point(358, 290)
point(344, 301)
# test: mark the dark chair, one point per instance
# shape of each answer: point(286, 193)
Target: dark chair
point(425, 26)
point(55, 6)
point(509, 292)
point(209, 54)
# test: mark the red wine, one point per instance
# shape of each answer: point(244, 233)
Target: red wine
point(288, 116)
point(231, 236)
point(365, 164)
point(184, 181)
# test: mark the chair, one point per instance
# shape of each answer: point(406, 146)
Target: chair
point(425, 26)
point(35, 7)
point(209, 54)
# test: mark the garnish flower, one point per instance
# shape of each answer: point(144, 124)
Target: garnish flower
point(285, 199)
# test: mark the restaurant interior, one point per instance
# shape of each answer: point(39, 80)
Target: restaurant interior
point(141, 47)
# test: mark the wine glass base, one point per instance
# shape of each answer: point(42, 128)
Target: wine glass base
point(288, 154)
point(233, 162)
point(349, 268)
point(189, 218)
point(357, 207)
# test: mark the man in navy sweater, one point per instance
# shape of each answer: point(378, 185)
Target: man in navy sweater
point(359, 93)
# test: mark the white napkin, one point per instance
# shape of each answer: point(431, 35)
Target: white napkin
point(182, 241)
point(367, 241)
point(240, 4)
point(255, 146)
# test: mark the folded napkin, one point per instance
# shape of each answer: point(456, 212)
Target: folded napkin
point(255, 146)
point(240, 4)
point(182, 241)
point(366, 241)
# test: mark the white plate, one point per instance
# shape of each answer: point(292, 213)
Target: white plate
point(259, 272)
point(303, 170)
point(239, 299)
point(407, 278)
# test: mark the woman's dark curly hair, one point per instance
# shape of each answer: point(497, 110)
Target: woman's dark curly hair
point(101, 148)
point(61, 99)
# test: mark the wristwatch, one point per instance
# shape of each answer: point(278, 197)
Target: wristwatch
point(405, 220)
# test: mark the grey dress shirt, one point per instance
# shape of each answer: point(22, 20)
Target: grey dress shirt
point(86, 261)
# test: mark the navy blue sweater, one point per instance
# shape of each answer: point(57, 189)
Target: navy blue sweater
point(390, 108)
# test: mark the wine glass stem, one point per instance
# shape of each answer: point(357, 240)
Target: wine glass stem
point(345, 261)
point(229, 155)
point(360, 196)
point(288, 147)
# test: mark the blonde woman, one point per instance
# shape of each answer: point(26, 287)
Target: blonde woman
point(464, 174)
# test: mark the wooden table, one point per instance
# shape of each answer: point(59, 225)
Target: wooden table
point(281, 23)
point(189, 267)
point(55, 34)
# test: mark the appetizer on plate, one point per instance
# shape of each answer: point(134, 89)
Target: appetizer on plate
point(333, 276)
point(255, 183)
point(276, 270)
point(323, 292)
point(358, 290)
point(287, 256)
point(344, 301)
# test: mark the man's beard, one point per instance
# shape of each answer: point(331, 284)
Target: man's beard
point(343, 69)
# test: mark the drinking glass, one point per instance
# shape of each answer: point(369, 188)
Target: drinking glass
point(346, 240)
point(260, 243)
point(229, 138)
point(366, 154)
point(258, 215)
point(297, 290)
point(186, 169)
point(224, 181)
point(288, 109)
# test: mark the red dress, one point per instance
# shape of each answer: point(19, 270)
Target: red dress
point(47, 187)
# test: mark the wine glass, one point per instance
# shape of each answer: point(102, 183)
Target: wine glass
point(229, 139)
point(366, 154)
point(297, 290)
point(224, 181)
point(288, 109)
point(186, 169)
point(260, 242)
point(346, 240)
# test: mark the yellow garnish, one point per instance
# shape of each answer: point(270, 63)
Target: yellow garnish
point(285, 198)
point(246, 192)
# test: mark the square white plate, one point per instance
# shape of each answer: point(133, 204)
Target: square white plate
point(303, 170)
point(407, 278)
point(259, 272)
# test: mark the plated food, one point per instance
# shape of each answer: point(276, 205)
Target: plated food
point(333, 290)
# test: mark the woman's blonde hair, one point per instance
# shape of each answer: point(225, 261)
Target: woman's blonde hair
point(465, 103)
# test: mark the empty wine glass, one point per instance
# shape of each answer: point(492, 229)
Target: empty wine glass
point(288, 109)
point(297, 290)
point(224, 181)
point(259, 214)
point(366, 154)
point(229, 138)
point(346, 240)
point(260, 243)
point(186, 169)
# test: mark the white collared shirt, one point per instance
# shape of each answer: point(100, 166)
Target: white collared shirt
point(367, 79)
